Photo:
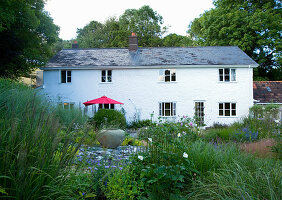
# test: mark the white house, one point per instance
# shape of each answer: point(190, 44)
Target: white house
point(215, 83)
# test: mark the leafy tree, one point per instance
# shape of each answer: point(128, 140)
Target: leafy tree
point(254, 26)
point(27, 34)
point(146, 23)
point(174, 40)
point(91, 35)
point(98, 35)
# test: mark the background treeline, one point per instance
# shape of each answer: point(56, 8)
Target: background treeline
point(29, 37)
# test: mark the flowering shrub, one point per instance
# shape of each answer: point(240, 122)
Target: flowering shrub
point(165, 168)
point(95, 172)
point(245, 134)
point(165, 130)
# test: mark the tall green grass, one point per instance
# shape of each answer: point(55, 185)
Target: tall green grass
point(227, 173)
point(33, 157)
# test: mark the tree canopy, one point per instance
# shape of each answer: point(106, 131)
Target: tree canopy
point(254, 26)
point(145, 22)
point(27, 34)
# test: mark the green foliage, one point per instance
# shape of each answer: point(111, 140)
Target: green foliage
point(33, 159)
point(72, 119)
point(27, 34)
point(254, 26)
point(220, 133)
point(263, 122)
point(146, 23)
point(268, 112)
point(174, 40)
point(131, 141)
point(227, 173)
point(165, 168)
point(247, 179)
point(124, 184)
point(140, 124)
point(87, 138)
point(107, 118)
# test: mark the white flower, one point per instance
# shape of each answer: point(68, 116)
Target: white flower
point(150, 139)
point(178, 135)
point(135, 149)
point(140, 157)
point(277, 121)
point(185, 155)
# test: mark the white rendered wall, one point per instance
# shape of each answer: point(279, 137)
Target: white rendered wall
point(141, 91)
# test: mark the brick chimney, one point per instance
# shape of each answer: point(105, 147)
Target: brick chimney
point(74, 45)
point(133, 42)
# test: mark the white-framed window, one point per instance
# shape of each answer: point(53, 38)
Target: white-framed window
point(167, 75)
point(199, 112)
point(227, 109)
point(106, 76)
point(65, 76)
point(167, 109)
point(227, 74)
point(106, 106)
point(66, 105)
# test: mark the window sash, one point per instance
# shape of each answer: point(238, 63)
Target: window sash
point(167, 109)
point(106, 76)
point(167, 75)
point(227, 109)
point(199, 112)
point(69, 76)
point(227, 74)
point(66, 105)
point(65, 76)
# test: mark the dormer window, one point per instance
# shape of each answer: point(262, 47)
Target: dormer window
point(65, 76)
point(227, 75)
point(167, 75)
point(106, 76)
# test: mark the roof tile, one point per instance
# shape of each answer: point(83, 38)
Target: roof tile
point(268, 91)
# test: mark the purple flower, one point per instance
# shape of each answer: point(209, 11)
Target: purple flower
point(120, 168)
point(107, 166)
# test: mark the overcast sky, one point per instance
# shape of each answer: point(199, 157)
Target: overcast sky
point(72, 14)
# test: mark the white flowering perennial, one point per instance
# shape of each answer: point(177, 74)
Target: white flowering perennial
point(185, 155)
point(150, 139)
point(178, 135)
point(140, 157)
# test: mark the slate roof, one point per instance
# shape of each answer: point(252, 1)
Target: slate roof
point(155, 56)
point(268, 91)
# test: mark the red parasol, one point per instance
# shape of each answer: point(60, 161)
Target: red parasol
point(102, 100)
